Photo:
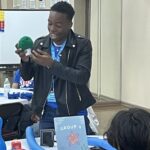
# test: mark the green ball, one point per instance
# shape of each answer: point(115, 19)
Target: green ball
point(25, 43)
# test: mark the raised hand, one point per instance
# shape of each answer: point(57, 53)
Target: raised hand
point(42, 58)
point(22, 54)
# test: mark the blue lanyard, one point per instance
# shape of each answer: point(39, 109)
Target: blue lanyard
point(56, 50)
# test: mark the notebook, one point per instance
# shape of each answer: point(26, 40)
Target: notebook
point(71, 133)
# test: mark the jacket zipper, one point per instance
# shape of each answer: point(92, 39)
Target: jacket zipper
point(78, 93)
point(66, 87)
point(45, 103)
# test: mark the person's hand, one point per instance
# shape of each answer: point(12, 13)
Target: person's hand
point(22, 54)
point(35, 118)
point(42, 58)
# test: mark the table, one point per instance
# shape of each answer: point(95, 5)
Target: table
point(5, 100)
point(26, 147)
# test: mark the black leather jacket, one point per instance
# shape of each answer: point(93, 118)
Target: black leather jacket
point(71, 76)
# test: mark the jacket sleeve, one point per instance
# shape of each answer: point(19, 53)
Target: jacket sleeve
point(26, 70)
point(78, 73)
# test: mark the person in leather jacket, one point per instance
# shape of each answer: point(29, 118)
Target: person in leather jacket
point(61, 65)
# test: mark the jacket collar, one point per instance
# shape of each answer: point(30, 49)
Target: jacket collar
point(47, 42)
point(71, 42)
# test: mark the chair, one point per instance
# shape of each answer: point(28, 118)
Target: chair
point(100, 143)
point(11, 115)
point(2, 143)
point(31, 139)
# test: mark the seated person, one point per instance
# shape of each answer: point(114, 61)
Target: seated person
point(130, 130)
point(19, 83)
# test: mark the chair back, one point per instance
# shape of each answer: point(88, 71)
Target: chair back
point(11, 115)
point(2, 143)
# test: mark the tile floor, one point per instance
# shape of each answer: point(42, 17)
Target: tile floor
point(105, 115)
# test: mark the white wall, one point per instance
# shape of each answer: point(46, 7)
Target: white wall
point(106, 39)
point(136, 52)
point(135, 79)
point(79, 18)
point(110, 48)
point(94, 35)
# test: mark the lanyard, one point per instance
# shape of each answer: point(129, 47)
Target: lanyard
point(56, 50)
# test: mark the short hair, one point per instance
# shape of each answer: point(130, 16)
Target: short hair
point(130, 130)
point(65, 8)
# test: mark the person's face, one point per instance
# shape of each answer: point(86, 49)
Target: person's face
point(58, 26)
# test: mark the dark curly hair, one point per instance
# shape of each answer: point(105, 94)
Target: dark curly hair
point(130, 130)
point(65, 8)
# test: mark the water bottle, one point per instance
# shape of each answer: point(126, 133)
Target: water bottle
point(6, 87)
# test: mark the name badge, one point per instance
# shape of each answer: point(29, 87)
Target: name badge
point(51, 97)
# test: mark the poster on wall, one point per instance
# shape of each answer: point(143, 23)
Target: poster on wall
point(32, 4)
point(16, 4)
point(2, 21)
point(42, 4)
point(55, 1)
point(24, 4)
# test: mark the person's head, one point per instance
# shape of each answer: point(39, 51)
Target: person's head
point(60, 21)
point(130, 130)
